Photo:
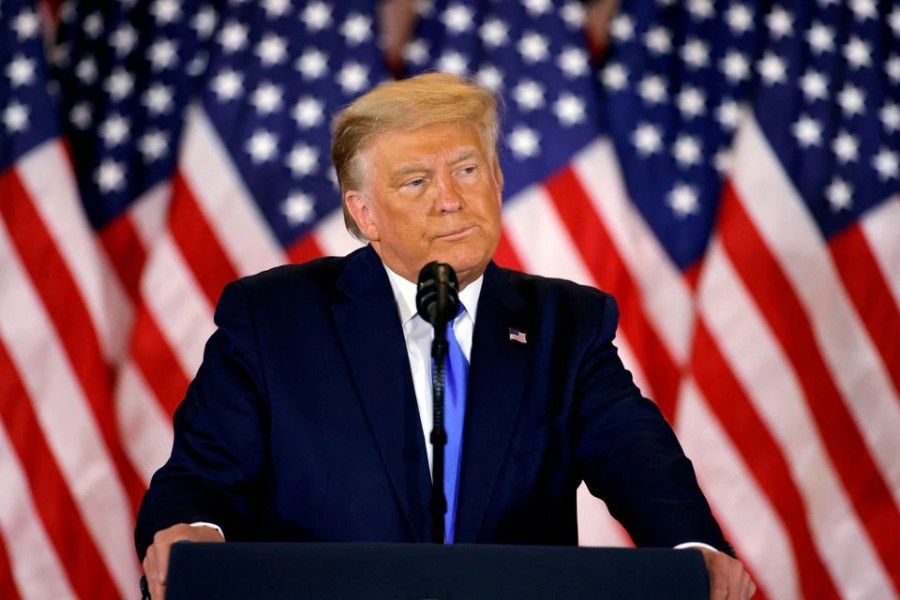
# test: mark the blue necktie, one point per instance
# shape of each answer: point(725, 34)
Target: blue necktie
point(457, 374)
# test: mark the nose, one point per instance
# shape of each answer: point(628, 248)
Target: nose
point(450, 198)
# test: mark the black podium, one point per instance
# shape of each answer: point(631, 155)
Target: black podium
point(431, 571)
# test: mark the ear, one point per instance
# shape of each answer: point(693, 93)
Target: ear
point(358, 206)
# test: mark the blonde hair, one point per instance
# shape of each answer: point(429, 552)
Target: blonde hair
point(406, 105)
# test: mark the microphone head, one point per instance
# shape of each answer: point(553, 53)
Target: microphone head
point(437, 293)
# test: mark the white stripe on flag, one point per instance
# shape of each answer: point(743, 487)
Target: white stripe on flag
point(145, 428)
point(879, 226)
point(149, 213)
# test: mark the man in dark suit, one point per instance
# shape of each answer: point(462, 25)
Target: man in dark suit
point(307, 419)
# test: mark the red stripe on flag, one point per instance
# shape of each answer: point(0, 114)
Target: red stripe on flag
point(506, 255)
point(870, 294)
point(7, 582)
point(71, 319)
point(198, 244)
point(776, 300)
point(759, 450)
point(126, 252)
point(156, 361)
point(54, 502)
point(609, 271)
point(304, 249)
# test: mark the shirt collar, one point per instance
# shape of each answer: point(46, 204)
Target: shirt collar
point(405, 295)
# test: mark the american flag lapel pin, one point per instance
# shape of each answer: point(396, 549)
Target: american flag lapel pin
point(517, 336)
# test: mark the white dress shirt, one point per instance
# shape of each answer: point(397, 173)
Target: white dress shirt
point(419, 333)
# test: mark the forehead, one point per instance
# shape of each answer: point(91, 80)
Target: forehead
point(439, 141)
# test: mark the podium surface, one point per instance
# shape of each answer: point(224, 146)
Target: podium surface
point(267, 570)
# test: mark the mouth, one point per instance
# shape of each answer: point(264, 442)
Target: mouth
point(456, 233)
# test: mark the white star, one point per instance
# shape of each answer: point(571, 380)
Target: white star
point(723, 161)
point(276, 8)
point(887, 164)
point(572, 13)
point(573, 62)
point(262, 146)
point(730, 114)
point(228, 85)
point(615, 77)
point(839, 195)
point(533, 47)
point(266, 98)
point(452, 62)
point(119, 84)
point(701, 9)
point(81, 115)
point(739, 18)
point(691, 102)
point(356, 29)
point(857, 53)
point(303, 160)
point(93, 25)
point(197, 65)
point(820, 38)
point(162, 54)
point(233, 37)
point(316, 16)
point(59, 55)
point(457, 18)
point(772, 69)
point(153, 145)
point(735, 66)
point(852, 100)
point(114, 130)
point(165, 11)
point(123, 39)
point(892, 68)
point(86, 70)
point(26, 24)
point(647, 139)
point(109, 176)
point(204, 22)
point(298, 208)
point(529, 95)
point(271, 50)
point(15, 117)
point(683, 200)
point(845, 147)
point(687, 151)
point(695, 53)
point(308, 112)
point(158, 99)
point(863, 9)
point(622, 27)
point(353, 77)
point(494, 33)
point(537, 7)
point(524, 142)
point(890, 116)
point(312, 64)
point(569, 109)
point(658, 41)
point(490, 76)
point(416, 52)
point(814, 86)
point(807, 131)
point(652, 89)
point(20, 71)
point(894, 21)
point(780, 23)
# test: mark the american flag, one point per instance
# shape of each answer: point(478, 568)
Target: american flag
point(729, 172)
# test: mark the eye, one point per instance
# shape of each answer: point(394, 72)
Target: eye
point(417, 182)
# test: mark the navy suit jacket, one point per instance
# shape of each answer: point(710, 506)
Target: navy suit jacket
point(302, 423)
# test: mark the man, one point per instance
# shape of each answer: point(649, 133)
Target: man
point(307, 419)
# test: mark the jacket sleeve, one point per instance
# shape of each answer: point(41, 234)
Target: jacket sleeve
point(219, 442)
point(629, 456)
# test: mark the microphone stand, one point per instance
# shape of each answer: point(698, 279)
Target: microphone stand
point(438, 436)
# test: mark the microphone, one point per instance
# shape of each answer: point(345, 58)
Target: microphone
point(437, 294)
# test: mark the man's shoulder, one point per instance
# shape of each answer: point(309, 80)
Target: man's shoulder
point(544, 289)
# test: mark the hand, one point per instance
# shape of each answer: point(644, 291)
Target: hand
point(156, 562)
point(727, 577)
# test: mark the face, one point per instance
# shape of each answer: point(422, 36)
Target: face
point(430, 194)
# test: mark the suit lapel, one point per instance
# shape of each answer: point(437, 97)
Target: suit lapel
point(496, 381)
point(372, 336)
